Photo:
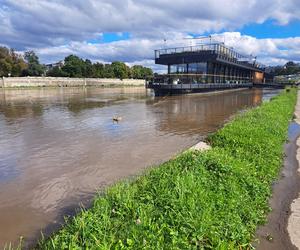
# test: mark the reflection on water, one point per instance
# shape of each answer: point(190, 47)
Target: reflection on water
point(199, 115)
point(58, 146)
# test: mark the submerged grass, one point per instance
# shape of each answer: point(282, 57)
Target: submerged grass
point(199, 200)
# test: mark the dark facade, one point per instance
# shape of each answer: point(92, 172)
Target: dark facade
point(208, 63)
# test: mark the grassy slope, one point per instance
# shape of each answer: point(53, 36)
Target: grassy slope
point(211, 200)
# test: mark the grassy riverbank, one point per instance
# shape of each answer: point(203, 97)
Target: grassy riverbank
point(209, 200)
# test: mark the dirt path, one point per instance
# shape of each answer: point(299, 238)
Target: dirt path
point(282, 231)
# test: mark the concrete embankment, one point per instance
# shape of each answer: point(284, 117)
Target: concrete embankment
point(15, 82)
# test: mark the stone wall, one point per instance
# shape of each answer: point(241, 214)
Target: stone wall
point(11, 82)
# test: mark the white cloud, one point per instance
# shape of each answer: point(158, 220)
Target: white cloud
point(141, 51)
point(56, 28)
point(269, 50)
point(54, 22)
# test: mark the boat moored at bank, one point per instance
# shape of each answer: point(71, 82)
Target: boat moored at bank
point(206, 67)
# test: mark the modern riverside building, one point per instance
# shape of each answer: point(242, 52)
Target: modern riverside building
point(205, 67)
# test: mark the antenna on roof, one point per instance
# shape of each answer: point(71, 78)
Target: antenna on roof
point(165, 42)
point(195, 38)
point(200, 38)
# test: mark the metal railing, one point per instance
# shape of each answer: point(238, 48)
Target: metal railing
point(214, 47)
point(176, 79)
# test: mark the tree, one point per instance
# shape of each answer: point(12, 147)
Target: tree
point(137, 71)
point(98, 70)
point(129, 72)
point(11, 63)
point(291, 64)
point(289, 68)
point(74, 66)
point(119, 70)
point(108, 71)
point(147, 72)
point(140, 72)
point(56, 72)
point(89, 70)
point(5, 67)
point(34, 68)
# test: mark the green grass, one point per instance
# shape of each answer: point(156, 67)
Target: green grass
point(209, 200)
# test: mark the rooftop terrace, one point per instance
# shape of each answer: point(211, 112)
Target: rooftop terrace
point(219, 50)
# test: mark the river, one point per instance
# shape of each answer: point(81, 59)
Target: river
point(59, 146)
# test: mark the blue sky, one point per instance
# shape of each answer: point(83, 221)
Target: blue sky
point(130, 30)
point(267, 29)
point(271, 29)
point(110, 37)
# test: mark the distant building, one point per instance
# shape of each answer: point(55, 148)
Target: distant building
point(295, 78)
point(59, 64)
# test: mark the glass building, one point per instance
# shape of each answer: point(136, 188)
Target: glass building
point(208, 63)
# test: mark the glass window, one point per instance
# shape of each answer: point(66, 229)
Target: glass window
point(178, 68)
point(199, 68)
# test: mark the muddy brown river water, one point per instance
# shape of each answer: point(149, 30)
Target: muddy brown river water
point(59, 146)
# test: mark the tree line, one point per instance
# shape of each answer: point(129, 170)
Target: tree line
point(14, 64)
point(74, 66)
point(290, 68)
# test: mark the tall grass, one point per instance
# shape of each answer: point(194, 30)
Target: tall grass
point(200, 200)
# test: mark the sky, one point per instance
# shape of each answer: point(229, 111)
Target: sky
point(130, 30)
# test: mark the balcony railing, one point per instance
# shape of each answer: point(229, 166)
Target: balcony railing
point(197, 79)
point(220, 49)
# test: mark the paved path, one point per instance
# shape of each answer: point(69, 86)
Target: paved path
point(294, 219)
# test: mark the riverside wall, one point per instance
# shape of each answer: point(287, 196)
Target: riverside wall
point(15, 82)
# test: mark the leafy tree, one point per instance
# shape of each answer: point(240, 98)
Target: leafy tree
point(56, 72)
point(136, 71)
point(129, 72)
point(291, 64)
point(98, 70)
point(140, 72)
point(74, 66)
point(5, 67)
point(11, 63)
point(108, 71)
point(34, 68)
point(120, 70)
point(89, 70)
point(289, 68)
point(147, 72)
